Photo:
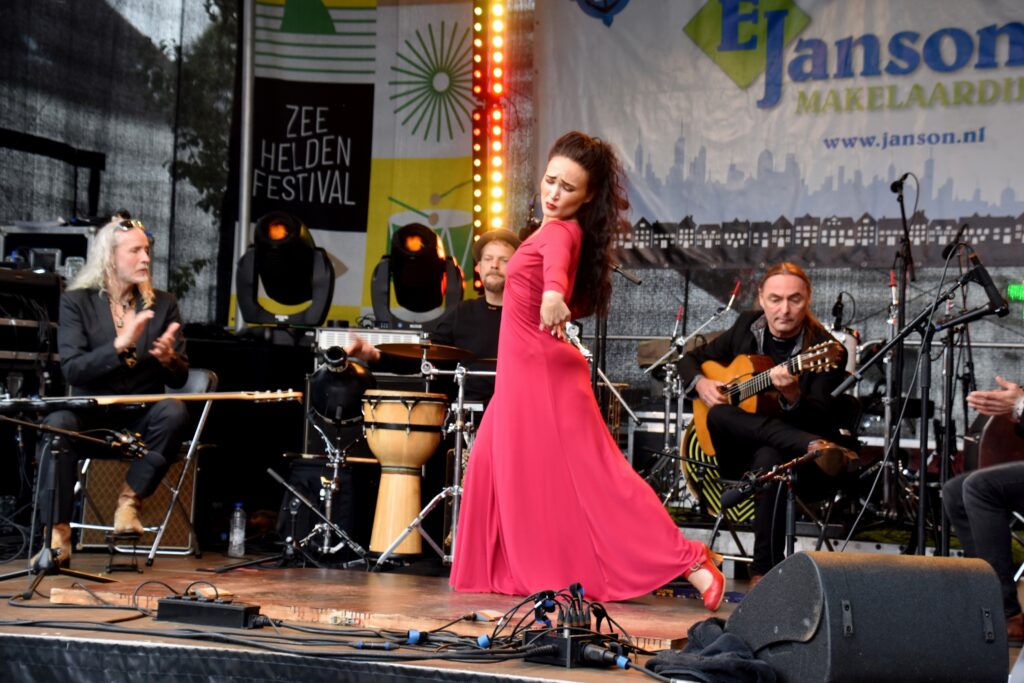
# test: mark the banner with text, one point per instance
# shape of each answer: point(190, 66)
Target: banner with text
point(754, 130)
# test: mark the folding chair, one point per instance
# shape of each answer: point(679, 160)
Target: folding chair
point(199, 381)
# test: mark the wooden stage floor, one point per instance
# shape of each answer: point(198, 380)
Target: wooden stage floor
point(343, 599)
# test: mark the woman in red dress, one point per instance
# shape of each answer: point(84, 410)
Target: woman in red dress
point(549, 498)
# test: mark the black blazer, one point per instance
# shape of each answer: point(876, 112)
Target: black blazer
point(85, 341)
point(815, 406)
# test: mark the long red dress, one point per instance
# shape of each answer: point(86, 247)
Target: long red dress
point(549, 498)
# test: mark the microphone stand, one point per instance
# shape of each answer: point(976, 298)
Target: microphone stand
point(45, 562)
point(926, 328)
point(904, 264)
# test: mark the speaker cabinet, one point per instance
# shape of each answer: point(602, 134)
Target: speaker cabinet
point(102, 482)
point(867, 617)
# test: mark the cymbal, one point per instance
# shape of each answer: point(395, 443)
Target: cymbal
point(433, 351)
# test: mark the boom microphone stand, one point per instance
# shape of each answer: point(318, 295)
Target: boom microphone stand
point(924, 325)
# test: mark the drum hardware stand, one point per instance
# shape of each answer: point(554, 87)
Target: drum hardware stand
point(336, 459)
point(454, 491)
point(44, 563)
point(673, 389)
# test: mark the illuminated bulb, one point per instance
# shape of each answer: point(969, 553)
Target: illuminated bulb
point(497, 41)
point(478, 27)
point(477, 42)
point(497, 56)
point(477, 177)
point(497, 192)
point(496, 115)
point(496, 161)
point(498, 88)
point(498, 25)
point(478, 58)
point(497, 72)
point(477, 208)
point(497, 10)
point(496, 146)
point(496, 176)
point(478, 11)
point(496, 207)
point(496, 130)
point(477, 223)
point(496, 222)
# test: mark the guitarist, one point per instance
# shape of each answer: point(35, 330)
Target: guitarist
point(116, 335)
point(805, 418)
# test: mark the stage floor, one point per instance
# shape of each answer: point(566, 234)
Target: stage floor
point(342, 599)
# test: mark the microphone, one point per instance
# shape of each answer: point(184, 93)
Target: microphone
point(997, 304)
point(948, 249)
point(733, 496)
point(679, 315)
point(732, 297)
point(897, 185)
point(837, 313)
point(626, 274)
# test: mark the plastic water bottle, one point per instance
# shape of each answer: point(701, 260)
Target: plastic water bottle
point(236, 535)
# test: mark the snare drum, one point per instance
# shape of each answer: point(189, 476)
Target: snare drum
point(403, 429)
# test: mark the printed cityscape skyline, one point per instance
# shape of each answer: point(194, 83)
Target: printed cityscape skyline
point(767, 192)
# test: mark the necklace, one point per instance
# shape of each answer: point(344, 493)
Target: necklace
point(121, 310)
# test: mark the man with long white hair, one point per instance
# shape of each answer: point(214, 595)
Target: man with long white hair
point(116, 335)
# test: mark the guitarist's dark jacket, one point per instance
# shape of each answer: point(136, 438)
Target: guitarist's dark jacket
point(815, 410)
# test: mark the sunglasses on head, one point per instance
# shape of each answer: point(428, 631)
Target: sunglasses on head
point(131, 224)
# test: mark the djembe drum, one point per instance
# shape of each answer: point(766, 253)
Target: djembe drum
point(403, 429)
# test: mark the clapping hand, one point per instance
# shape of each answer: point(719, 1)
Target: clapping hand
point(163, 346)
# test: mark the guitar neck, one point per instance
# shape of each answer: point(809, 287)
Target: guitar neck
point(127, 399)
point(762, 381)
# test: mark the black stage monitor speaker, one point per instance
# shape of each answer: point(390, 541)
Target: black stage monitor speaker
point(866, 617)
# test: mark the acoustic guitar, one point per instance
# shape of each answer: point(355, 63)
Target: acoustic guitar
point(747, 378)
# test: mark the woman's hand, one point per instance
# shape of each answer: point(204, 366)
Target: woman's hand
point(553, 313)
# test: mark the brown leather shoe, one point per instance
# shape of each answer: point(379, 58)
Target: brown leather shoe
point(60, 538)
point(1015, 630)
point(832, 458)
point(126, 516)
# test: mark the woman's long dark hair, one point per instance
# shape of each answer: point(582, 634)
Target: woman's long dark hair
point(600, 218)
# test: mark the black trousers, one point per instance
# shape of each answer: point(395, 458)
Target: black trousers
point(980, 505)
point(745, 442)
point(162, 425)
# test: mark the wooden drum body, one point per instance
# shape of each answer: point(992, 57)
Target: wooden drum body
point(403, 429)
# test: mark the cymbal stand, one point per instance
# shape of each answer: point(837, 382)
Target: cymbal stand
point(454, 490)
point(45, 563)
point(572, 333)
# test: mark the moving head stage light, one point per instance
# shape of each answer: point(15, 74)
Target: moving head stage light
point(291, 268)
point(422, 276)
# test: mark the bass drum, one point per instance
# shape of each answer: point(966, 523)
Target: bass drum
point(704, 482)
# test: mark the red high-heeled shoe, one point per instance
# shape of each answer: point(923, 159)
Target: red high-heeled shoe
point(716, 591)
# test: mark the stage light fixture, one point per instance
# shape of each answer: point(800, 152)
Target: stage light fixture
point(291, 268)
point(422, 276)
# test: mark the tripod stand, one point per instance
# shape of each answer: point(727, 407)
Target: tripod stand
point(336, 459)
point(452, 492)
point(45, 562)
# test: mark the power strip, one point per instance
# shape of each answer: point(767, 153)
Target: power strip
point(192, 609)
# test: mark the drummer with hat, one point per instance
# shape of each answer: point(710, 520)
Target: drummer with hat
point(473, 324)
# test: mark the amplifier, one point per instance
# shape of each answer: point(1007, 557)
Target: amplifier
point(326, 338)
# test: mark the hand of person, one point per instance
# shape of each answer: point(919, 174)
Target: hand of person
point(996, 401)
point(785, 382)
point(132, 331)
point(362, 349)
point(710, 391)
point(163, 346)
point(554, 313)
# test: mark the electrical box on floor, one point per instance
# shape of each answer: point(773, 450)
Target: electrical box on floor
point(191, 609)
